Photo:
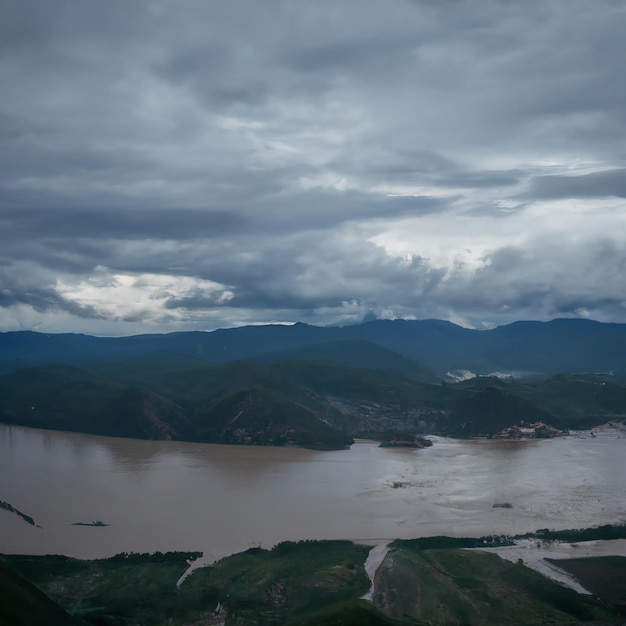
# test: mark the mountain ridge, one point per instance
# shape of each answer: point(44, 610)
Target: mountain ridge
point(559, 345)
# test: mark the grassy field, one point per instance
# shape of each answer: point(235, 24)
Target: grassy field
point(458, 586)
point(22, 604)
point(266, 587)
point(349, 613)
point(604, 576)
point(433, 580)
point(126, 589)
point(608, 531)
point(255, 587)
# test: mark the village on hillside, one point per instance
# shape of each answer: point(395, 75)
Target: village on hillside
point(537, 430)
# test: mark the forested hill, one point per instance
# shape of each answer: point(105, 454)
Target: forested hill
point(562, 345)
point(315, 404)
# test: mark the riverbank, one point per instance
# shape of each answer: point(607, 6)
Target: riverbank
point(538, 555)
point(435, 580)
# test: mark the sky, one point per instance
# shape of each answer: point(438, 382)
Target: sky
point(195, 164)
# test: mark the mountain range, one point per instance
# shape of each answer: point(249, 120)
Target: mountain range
point(561, 345)
point(316, 387)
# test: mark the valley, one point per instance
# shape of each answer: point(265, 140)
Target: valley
point(146, 456)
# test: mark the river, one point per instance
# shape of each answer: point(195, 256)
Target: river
point(163, 495)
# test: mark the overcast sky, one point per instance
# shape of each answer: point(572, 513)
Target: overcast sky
point(178, 165)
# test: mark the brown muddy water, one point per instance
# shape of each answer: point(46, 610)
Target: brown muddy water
point(218, 499)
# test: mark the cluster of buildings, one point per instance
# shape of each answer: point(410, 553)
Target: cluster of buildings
point(538, 430)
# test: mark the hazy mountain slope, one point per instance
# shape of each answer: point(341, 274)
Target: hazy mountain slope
point(308, 403)
point(579, 401)
point(354, 353)
point(303, 381)
point(564, 345)
point(487, 411)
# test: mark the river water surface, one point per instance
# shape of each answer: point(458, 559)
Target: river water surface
point(158, 495)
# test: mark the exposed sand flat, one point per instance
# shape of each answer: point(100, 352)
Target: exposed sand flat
point(533, 553)
point(374, 559)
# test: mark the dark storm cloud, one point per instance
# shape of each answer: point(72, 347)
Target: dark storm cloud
point(547, 279)
point(537, 281)
point(323, 272)
point(423, 167)
point(480, 179)
point(48, 226)
point(60, 223)
point(245, 157)
point(595, 185)
point(44, 300)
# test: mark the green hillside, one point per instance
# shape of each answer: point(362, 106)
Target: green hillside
point(64, 397)
point(318, 404)
point(542, 348)
point(253, 587)
point(355, 354)
point(22, 604)
point(452, 586)
point(263, 416)
point(604, 576)
point(427, 581)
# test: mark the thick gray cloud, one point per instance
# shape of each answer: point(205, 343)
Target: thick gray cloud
point(171, 165)
point(595, 185)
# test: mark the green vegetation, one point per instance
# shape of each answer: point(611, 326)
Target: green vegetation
point(582, 401)
point(254, 587)
point(446, 543)
point(22, 604)
point(608, 531)
point(126, 589)
point(432, 580)
point(70, 398)
point(452, 586)
point(351, 613)
point(262, 416)
point(545, 348)
point(604, 576)
point(261, 586)
point(487, 411)
point(355, 354)
point(594, 533)
point(315, 404)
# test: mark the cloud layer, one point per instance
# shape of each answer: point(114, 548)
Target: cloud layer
point(190, 165)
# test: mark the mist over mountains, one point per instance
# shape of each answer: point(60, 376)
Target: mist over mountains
point(542, 348)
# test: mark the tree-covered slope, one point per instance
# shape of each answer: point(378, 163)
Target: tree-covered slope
point(423, 581)
point(70, 398)
point(254, 587)
point(355, 353)
point(262, 416)
point(23, 604)
point(308, 403)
